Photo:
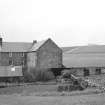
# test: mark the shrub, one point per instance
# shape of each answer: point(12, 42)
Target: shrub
point(39, 75)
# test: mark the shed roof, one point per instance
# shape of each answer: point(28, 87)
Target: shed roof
point(85, 56)
point(84, 60)
point(88, 49)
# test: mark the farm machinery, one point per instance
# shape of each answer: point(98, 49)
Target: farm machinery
point(70, 82)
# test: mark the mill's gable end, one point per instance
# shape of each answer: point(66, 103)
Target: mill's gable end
point(49, 55)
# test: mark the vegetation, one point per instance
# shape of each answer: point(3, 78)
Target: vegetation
point(39, 75)
point(16, 99)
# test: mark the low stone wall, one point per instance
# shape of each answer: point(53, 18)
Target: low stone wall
point(92, 71)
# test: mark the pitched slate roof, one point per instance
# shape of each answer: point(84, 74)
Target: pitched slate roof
point(37, 45)
point(21, 46)
point(85, 56)
point(15, 47)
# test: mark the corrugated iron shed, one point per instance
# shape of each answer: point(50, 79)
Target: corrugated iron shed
point(9, 71)
point(85, 56)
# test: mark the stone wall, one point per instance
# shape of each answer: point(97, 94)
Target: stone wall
point(16, 58)
point(80, 71)
point(49, 56)
point(31, 59)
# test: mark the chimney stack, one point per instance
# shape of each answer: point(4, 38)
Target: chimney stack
point(1, 41)
point(34, 41)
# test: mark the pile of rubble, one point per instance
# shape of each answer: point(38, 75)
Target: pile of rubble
point(97, 81)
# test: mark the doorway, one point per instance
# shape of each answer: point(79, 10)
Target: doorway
point(56, 71)
point(86, 72)
point(98, 71)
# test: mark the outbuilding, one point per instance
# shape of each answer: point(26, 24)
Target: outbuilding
point(86, 60)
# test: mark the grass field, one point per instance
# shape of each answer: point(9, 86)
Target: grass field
point(28, 89)
point(96, 99)
point(43, 90)
point(46, 94)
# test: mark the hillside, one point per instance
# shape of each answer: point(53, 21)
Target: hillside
point(67, 48)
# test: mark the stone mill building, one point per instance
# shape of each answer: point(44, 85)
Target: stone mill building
point(14, 56)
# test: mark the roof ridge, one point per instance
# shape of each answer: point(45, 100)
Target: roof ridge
point(37, 45)
point(15, 47)
point(17, 42)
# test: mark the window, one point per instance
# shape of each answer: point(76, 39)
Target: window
point(23, 63)
point(22, 54)
point(13, 69)
point(98, 71)
point(10, 54)
point(10, 62)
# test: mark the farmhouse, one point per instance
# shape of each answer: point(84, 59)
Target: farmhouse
point(85, 60)
point(16, 55)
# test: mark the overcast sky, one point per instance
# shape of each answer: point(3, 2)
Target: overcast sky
point(67, 22)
